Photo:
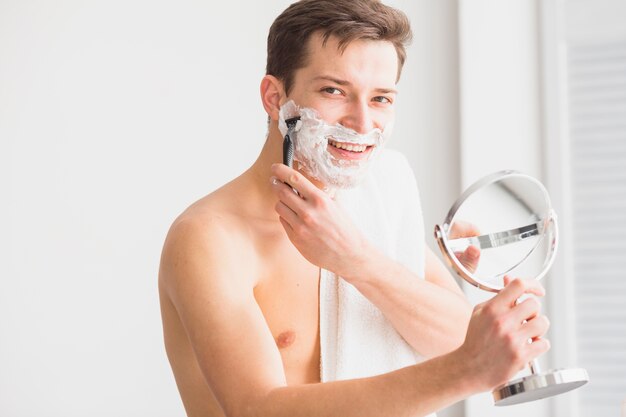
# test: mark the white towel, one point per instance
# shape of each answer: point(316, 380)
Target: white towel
point(356, 339)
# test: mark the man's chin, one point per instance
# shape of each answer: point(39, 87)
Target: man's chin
point(340, 182)
point(325, 180)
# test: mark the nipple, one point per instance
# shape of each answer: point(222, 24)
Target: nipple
point(285, 339)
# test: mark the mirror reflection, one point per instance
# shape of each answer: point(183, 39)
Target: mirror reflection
point(503, 225)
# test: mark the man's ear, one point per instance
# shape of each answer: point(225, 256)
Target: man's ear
point(272, 95)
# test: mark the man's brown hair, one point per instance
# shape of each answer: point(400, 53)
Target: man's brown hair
point(347, 20)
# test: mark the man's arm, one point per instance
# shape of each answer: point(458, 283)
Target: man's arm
point(202, 274)
point(431, 314)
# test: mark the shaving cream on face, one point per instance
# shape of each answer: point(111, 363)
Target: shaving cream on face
point(311, 147)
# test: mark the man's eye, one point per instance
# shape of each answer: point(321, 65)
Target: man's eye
point(382, 99)
point(332, 90)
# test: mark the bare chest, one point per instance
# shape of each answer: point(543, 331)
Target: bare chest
point(288, 295)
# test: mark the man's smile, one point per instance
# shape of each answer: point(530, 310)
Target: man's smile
point(352, 151)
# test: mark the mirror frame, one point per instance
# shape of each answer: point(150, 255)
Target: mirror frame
point(441, 231)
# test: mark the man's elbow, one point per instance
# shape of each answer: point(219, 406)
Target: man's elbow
point(263, 403)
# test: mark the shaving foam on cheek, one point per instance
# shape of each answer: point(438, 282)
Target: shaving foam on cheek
point(311, 147)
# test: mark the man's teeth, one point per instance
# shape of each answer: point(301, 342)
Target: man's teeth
point(348, 146)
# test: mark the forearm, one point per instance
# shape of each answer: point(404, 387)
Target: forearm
point(431, 318)
point(413, 391)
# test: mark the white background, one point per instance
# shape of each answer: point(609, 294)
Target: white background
point(116, 115)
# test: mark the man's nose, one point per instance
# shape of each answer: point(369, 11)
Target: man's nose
point(359, 117)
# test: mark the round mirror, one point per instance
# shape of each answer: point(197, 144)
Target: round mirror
point(502, 225)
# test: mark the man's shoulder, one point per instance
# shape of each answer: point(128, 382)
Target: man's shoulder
point(205, 239)
point(202, 227)
point(215, 218)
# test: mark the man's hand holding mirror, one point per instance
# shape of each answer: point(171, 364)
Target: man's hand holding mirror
point(498, 334)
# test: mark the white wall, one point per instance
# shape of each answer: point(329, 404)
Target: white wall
point(428, 125)
point(501, 118)
point(114, 116)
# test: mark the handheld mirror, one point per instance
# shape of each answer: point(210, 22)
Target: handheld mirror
point(504, 225)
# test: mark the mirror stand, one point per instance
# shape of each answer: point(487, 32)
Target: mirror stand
point(539, 385)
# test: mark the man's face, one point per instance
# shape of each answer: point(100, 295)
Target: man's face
point(355, 89)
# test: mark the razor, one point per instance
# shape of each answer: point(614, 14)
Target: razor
point(288, 141)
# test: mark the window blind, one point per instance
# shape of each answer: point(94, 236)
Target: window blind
point(597, 120)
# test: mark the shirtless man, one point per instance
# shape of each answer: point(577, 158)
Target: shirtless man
point(239, 277)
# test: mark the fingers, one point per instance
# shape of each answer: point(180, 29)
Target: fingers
point(469, 258)
point(287, 226)
point(463, 229)
point(515, 289)
point(296, 180)
point(535, 328)
point(287, 196)
point(537, 348)
point(532, 324)
point(301, 215)
point(527, 309)
point(286, 214)
point(501, 330)
point(301, 207)
point(507, 280)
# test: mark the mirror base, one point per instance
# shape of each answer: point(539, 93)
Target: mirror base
point(537, 386)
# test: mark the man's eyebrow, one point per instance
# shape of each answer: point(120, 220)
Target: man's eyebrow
point(386, 90)
point(348, 83)
point(332, 79)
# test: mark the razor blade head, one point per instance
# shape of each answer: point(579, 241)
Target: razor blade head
point(291, 122)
